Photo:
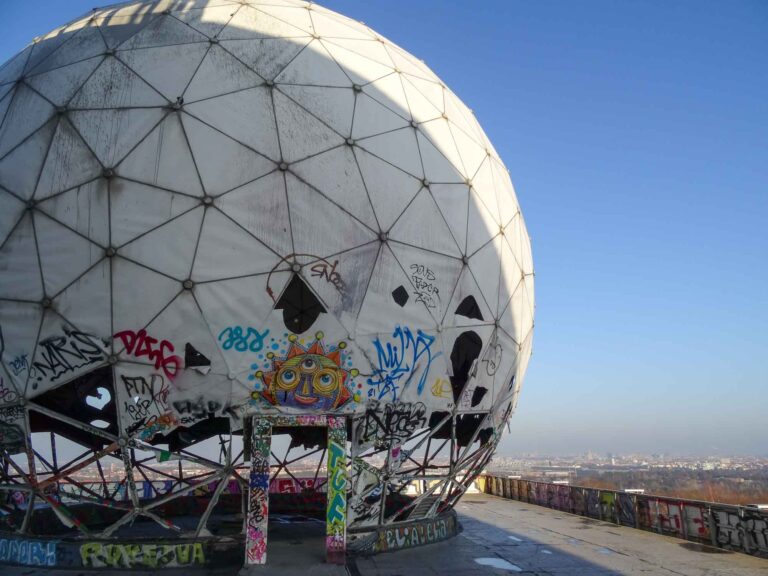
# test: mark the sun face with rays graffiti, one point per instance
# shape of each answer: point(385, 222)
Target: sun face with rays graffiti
point(307, 378)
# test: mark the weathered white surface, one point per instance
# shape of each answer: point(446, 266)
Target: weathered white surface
point(167, 167)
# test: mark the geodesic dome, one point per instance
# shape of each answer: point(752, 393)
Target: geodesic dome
point(215, 210)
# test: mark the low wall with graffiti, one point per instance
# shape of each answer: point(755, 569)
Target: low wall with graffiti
point(146, 554)
point(737, 528)
point(406, 535)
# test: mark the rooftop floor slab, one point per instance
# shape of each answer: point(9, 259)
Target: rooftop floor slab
point(500, 537)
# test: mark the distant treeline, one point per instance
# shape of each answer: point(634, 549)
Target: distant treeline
point(726, 486)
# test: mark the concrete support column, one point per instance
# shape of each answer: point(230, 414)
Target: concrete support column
point(336, 516)
point(258, 493)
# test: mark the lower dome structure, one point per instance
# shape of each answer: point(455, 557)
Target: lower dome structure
point(255, 259)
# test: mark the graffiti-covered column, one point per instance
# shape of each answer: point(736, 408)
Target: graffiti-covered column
point(336, 518)
point(258, 493)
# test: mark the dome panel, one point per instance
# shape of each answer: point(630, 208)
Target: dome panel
point(178, 238)
point(26, 113)
point(19, 263)
point(193, 194)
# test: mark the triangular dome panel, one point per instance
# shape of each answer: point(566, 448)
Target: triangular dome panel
point(261, 207)
point(60, 84)
point(223, 163)
point(64, 254)
point(168, 69)
point(137, 208)
point(335, 173)
point(68, 163)
point(389, 188)
point(332, 106)
point(267, 56)
point(164, 159)
point(26, 113)
point(170, 248)
point(219, 74)
point(311, 214)
point(422, 225)
point(138, 294)
point(226, 250)
point(84, 209)
point(112, 134)
point(18, 261)
point(20, 170)
point(246, 116)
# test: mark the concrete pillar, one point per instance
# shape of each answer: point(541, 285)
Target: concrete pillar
point(336, 516)
point(258, 493)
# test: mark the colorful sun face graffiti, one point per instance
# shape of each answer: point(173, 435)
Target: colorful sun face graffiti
point(307, 378)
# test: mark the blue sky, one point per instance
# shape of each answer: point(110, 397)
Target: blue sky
point(636, 134)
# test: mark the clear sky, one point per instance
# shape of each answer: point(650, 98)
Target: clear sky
point(636, 134)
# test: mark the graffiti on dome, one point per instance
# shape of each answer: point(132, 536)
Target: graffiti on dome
point(242, 339)
point(426, 291)
point(64, 355)
point(308, 377)
point(7, 394)
point(19, 364)
point(492, 356)
point(160, 352)
point(398, 359)
point(389, 424)
point(12, 426)
point(327, 271)
point(442, 389)
point(191, 411)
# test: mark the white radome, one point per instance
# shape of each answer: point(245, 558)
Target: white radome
point(194, 193)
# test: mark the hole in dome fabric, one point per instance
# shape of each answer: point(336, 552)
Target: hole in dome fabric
point(299, 305)
point(400, 296)
point(469, 309)
point(88, 398)
point(465, 351)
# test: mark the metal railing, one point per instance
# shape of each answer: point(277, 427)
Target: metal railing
point(731, 527)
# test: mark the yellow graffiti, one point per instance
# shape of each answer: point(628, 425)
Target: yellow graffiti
point(98, 555)
point(442, 388)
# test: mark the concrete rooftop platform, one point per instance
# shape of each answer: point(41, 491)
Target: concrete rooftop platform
point(500, 537)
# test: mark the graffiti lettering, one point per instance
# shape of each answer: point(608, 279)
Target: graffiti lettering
point(158, 425)
point(423, 280)
point(492, 358)
point(19, 364)
point(242, 339)
point(12, 429)
point(336, 518)
point(415, 535)
point(400, 359)
point(27, 552)
point(337, 481)
point(442, 389)
point(7, 395)
point(98, 555)
point(199, 409)
point(327, 271)
point(390, 424)
point(258, 487)
point(139, 344)
point(62, 355)
point(146, 397)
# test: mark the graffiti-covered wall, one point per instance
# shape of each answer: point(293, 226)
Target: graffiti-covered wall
point(738, 528)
